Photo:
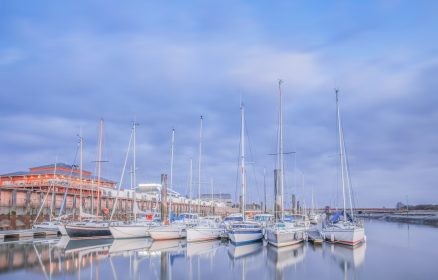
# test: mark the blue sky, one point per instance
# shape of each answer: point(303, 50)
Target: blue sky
point(65, 65)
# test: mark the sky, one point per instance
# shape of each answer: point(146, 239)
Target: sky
point(64, 65)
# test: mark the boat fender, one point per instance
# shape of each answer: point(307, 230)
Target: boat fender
point(364, 238)
point(332, 238)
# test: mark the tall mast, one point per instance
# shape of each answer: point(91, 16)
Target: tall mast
point(190, 185)
point(280, 153)
point(341, 153)
point(134, 178)
point(80, 175)
point(171, 158)
point(99, 161)
point(264, 189)
point(52, 202)
point(212, 199)
point(199, 167)
point(171, 168)
point(242, 142)
point(121, 176)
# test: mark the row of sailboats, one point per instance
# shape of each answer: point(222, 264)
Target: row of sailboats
point(188, 225)
point(342, 228)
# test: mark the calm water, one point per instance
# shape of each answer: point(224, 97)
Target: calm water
point(392, 251)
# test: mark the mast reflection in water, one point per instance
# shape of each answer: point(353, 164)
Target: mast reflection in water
point(177, 259)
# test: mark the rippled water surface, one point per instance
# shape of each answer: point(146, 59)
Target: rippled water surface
point(392, 251)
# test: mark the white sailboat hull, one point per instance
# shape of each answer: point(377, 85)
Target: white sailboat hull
point(348, 236)
point(168, 232)
point(284, 237)
point(203, 233)
point(245, 236)
point(129, 231)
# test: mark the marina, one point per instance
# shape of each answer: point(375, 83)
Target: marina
point(218, 140)
point(56, 258)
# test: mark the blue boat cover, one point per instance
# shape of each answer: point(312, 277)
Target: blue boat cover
point(336, 217)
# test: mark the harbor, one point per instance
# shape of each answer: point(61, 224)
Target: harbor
point(139, 258)
point(218, 140)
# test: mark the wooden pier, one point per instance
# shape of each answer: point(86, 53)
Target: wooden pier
point(26, 234)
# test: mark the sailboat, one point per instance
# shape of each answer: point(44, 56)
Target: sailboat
point(178, 228)
point(87, 228)
point(245, 231)
point(282, 233)
point(51, 224)
point(206, 229)
point(137, 227)
point(313, 217)
point(343, 227)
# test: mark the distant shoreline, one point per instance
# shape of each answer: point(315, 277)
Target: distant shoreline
point(418, 217)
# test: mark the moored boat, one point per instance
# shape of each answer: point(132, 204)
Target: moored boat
point(175, 230)
point(205, 230)
point(285, 234)
point(245, 232)
point(282, 233)
point(88, 229)
point(343, 227)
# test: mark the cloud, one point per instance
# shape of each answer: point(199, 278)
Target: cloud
point(166, 66)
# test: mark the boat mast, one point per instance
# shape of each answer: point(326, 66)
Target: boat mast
point(80, 175)
point(171, 169)
point(199, 167)
point(341, 153)
point(134, 178)
point(52, 202)
point(280, 151)
point(121, 176)
point(190, 185)
point(264, 188)
point(99, 161)
point(212, 200)
point(242, 142)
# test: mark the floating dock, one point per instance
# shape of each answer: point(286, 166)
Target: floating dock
point(26, 234)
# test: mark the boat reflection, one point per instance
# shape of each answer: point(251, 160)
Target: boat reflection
point(353, 257)
point(128, 246)
point(244, 250)
point(172, 246)
point(282, 257)
point(32, 255)
point(347, 258)
point(86, 246)
point(205, 248)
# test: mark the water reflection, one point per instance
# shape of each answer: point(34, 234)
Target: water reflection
point(177, 259)
point(64, 258)
point(244, 250)
point(206, 248)
point(283, 257)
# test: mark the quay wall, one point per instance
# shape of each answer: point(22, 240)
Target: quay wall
point(19, 207)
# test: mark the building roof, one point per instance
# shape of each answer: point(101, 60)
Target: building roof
point(61, 169)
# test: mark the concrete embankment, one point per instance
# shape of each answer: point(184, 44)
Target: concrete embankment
point(415, 217)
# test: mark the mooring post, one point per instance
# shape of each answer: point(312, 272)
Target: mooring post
point(164, 212)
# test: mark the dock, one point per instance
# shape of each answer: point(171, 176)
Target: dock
point(25, 234)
